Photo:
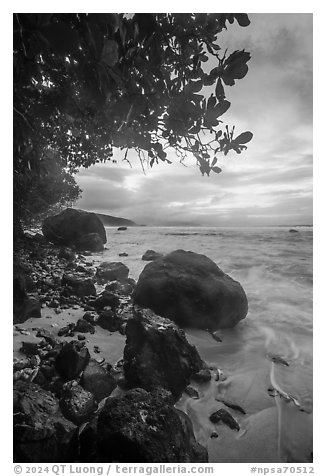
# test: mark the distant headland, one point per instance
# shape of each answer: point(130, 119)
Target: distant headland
point(109, 220)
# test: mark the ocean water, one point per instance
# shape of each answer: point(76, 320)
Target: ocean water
point(274, 267)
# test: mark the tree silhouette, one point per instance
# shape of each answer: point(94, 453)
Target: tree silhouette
point(85, 84)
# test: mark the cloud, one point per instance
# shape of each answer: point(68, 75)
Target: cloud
point(271, 182)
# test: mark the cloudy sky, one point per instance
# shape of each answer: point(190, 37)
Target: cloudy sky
point(271, 182)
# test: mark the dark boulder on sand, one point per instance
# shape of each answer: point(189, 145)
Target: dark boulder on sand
point(151, 255)
point(72, 360)
point(192, 290)
point(78, 285)
point(69, 226)
point(140, 427)
point(41, 433)
point(225, 417)
point(83, 326)
point(112, 271)
point(157, 354)
point(109, 320)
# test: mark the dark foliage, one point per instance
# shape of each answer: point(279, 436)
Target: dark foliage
point(86, 83)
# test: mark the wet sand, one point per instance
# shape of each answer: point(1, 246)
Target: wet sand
point(274, 429)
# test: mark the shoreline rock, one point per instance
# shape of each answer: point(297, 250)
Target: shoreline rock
point(72, 226)
point(72, 360)
point(112, 271)
point(142, 427)
point(151, 255)
point(225, 417)
point(41, 433)
point(157, 354)
point(97, 380)
point(191, 290)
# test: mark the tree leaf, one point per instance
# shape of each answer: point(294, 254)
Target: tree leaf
point(242, 19)
point(218, 134)
point(211, 102)
point(221, 108)
point(214, 161)
point(217, 170)
point(208, 80)
point(219, 90)
point(216, 47)
point(195, 129)
point(203, 57)
point(243, 138)
point(193, 87)
point(216, 72)
point(235, 67)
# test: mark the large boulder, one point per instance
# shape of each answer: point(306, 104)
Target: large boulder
point(192, 290)
point(140, 427)
point(69, 226)
point(157, 354)
point(41, 433)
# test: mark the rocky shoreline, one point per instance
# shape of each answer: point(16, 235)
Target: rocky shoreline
point(62, 378)
point(100, 377)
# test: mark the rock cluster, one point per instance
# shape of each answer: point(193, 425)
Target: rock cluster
point(71, 407)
